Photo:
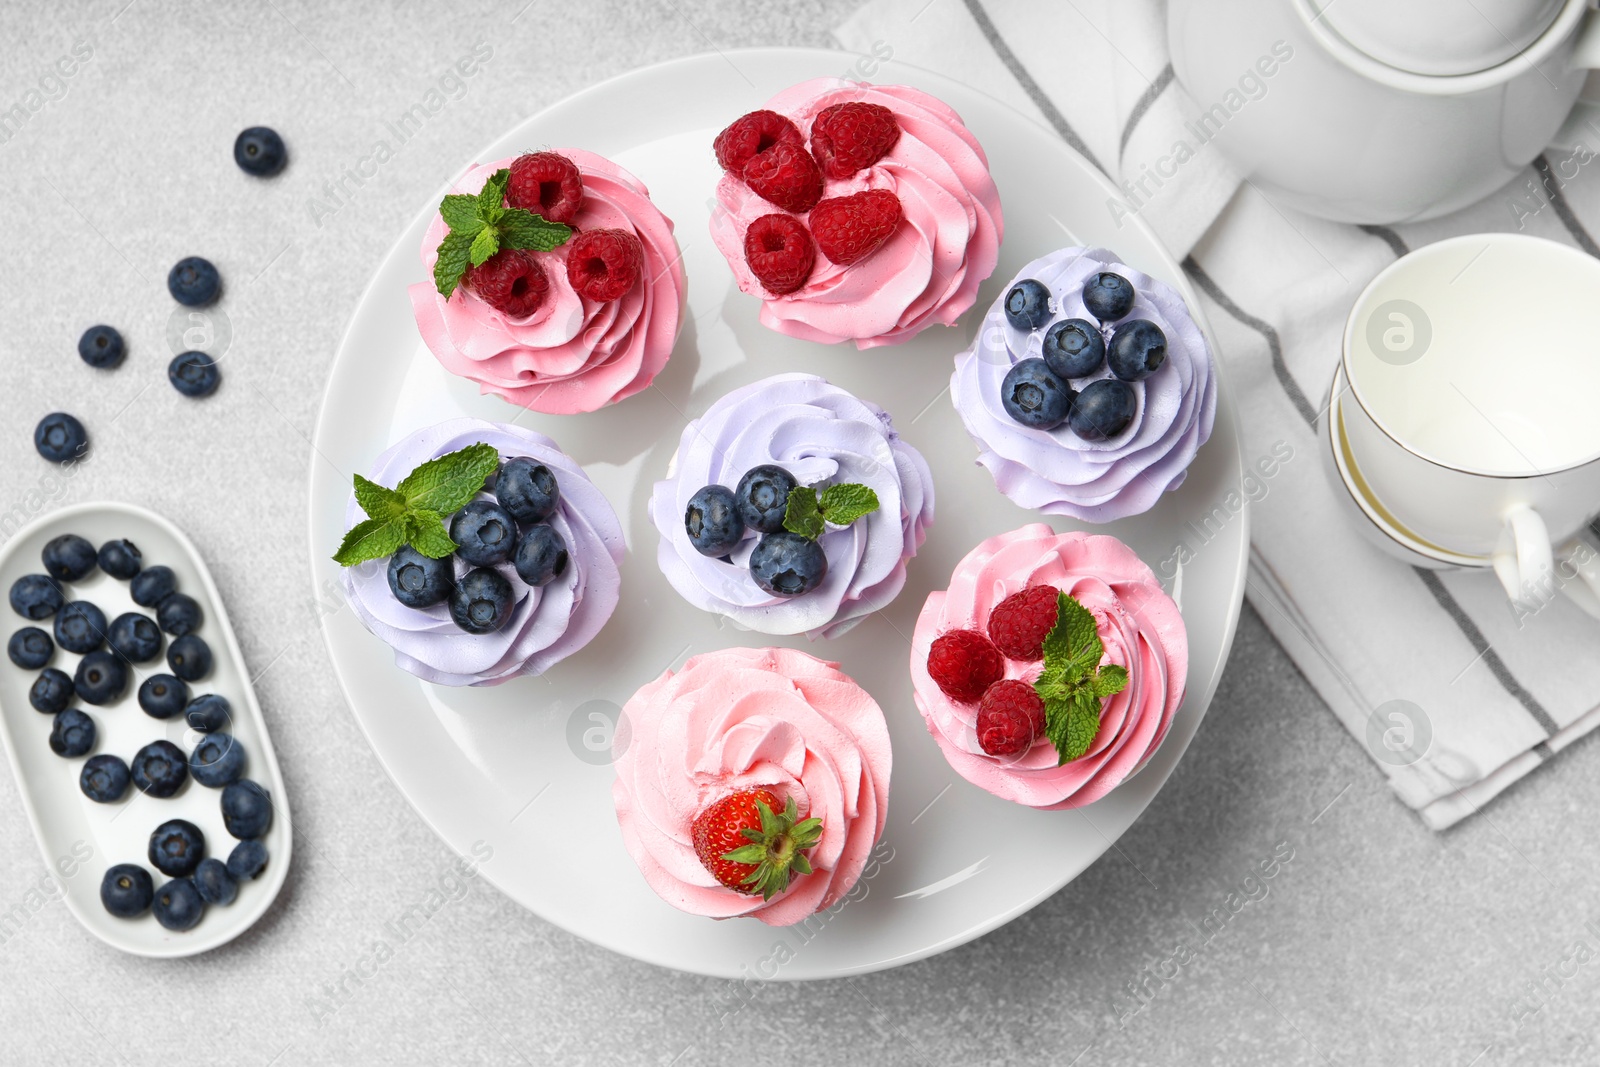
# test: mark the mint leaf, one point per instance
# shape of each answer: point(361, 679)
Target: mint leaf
point(1072, 682)
point(426, 532)
point(379, 502)
point(1075, 638)
point(455, 253)
point(524, 229)
point(486, 244)
point(801, 516)
point(844, 504)
point(369, 539)
point(460, 213)
point(1071, 725)
point(1108, 680)
point(447, 483)
point(493, 194)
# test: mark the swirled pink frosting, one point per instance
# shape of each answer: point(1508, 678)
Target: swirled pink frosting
point(929, 271)
point(1138, 623)
point(1056, 471)
point(573, 354)
point(549, 623)
point(747, 718)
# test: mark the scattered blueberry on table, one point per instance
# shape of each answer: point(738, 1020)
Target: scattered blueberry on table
point(194, 374)
point(194, 282)
point(101, 347)
point(60, 437)
point(260, 151)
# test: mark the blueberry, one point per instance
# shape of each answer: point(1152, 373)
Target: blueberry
point(126, 890)
point(215, 884)
point(178, 906)
point(1108, 296)
point(100, 678)
point(417, 581)
point(248, 859)
point(194, 282)
point(1138, 349)
point(194, 374)
point(68, 558)
point(484, 532)
point(104, 779)
point(36, 596)
point(712, 521)
point(1033, 395)
point(134, 637)
point(162, 696)
point(481, 602)
point(208, 712)
point(51, 691)
point(102, 347)
point(762, 497)
point(120, 559)
point(159, 769)
point(541, 555)
point(71, 734)
point(180, 614)
point(189, 657)
point(60, 437)
point(1073, 348)
point(176, 847)
point(153, 585)
point(217, 760)
point(246, 809)
point(80, 627)
point(259, 151)
point(1027, 304)
point(786, 564)
point(30, 648)
point(527, 490)
point(1104, 409)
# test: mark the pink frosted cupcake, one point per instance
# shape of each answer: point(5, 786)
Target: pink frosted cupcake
point(578, 306)
point(733, 731)
point(1024, 704)
point(856, 212)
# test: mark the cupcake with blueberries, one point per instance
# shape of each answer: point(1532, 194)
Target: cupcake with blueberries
point(791, 506)
point(479, 551)
point(557, 283)
point(1089, 388)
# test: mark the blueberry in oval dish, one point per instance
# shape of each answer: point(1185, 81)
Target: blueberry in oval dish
point(189, 657)
point(208, 713)
point(246, 809)
point(527, 489)
point(762, 497)
point(484, 533)
point(104, 778)
point(194, 374)
point(215, 884)
point(247, 860)
point(68, 558)
point(80, 627)
point(71, 734)
point(101, 347)
point(120, 559)
point(134, 637)
point(194, 282)
point(60, 437)
point(178, 906)
point(541, 555)
point(126, 890)
point(100, 678)
point(176, 847)
point(482, 601)
point(36, 596)
point(30, 648)
point(159, 769)
point(51, 691)
point(217, 760)
point(180, 614)
point(417, 581)
point(162, 696)
point(153, 585)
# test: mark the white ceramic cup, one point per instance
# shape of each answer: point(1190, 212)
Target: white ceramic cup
point(1473, 409)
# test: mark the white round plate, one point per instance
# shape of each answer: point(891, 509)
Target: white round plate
point(519, 773)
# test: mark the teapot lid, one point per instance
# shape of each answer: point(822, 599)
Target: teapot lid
point(1438, 37)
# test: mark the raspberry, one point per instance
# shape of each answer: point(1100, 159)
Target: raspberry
point(1010, 718)
point(604, 264)
point(847, 138)
point(785, 175)
point(780, 252)
point(510, 281)
point(850, 228)
point(547, 184)
point(1019, 624)
point(749, 135)
point(963, 663)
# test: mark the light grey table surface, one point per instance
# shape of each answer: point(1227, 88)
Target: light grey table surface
point(1377, 943)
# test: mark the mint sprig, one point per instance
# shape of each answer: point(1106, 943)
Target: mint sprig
point(1073, 683)
point(808, 512)
point(413, 512)
point(481, 225)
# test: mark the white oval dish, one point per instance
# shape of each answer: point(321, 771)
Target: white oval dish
point(80, 838)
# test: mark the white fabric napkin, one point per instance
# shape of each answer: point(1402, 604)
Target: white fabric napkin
point(1407, 659)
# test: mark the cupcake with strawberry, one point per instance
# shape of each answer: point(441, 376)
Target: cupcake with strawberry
point(856, 212)
point(755, 781)
point(1051, 668)
point(557, 284)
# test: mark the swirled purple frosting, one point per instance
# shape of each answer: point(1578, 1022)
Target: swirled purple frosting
point(1056, 471)
point(549, 623)
point(822, 435)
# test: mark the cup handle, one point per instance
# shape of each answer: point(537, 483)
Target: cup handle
point(1586, 50)
point(1582, 558)
point(1524, 555)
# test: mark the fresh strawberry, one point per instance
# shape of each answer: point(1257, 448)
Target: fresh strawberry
point(546, 183)
point(1010, 718)
point(1019, 624)
point(780, 252)
point(785, 175)
point(964, 663)
point(510, 281)
point(604, 264)
point(848, 229)
point(847, 138)
point(749, 135)
point(752, 844)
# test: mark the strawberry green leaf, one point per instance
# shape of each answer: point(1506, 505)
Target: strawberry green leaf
point(524, 229)
point(844, 504)
point(379, 502)
point(802, 516)
point(369, 539)
point(447, 483)
point(746, 854)
point(455, 255)
point(484, 245)
point(460, 213)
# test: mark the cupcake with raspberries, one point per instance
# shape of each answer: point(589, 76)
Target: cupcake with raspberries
point(856, 212)
point(1089, 388)
point(791, 506)
point(479, 552)
point(755, 781)
point(1051, 668)
point(557, 284)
